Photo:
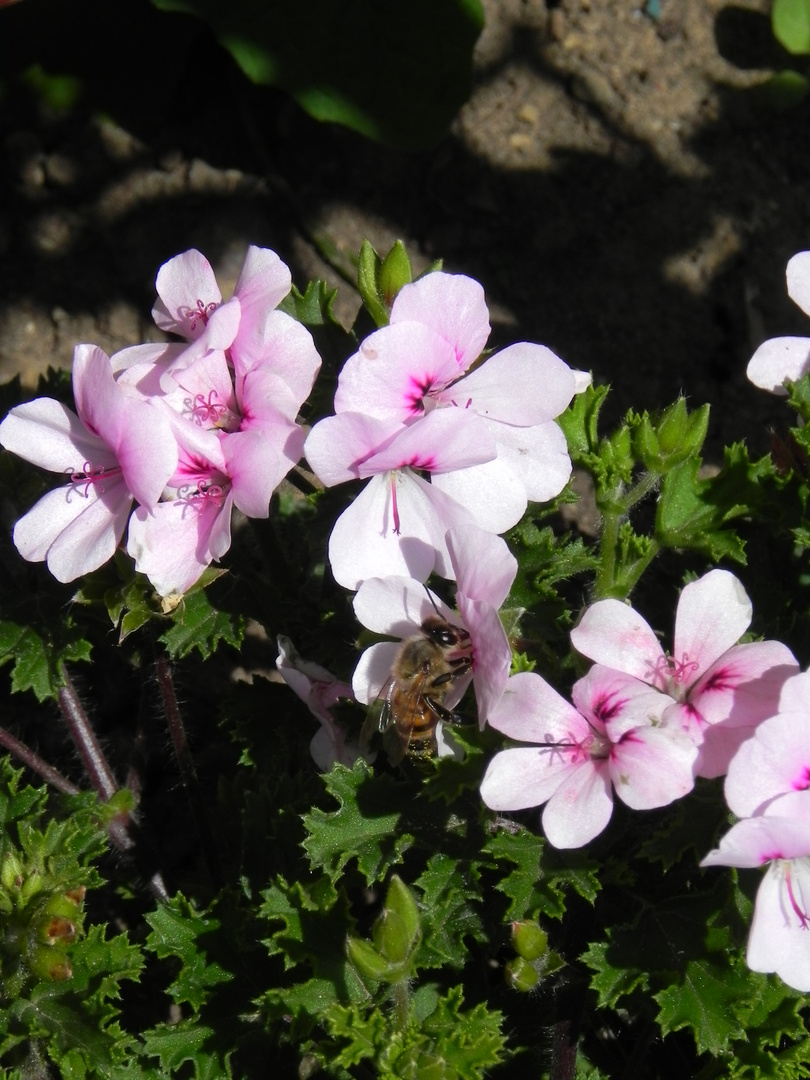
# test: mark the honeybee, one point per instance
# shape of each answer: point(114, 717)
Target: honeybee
point(422, 675)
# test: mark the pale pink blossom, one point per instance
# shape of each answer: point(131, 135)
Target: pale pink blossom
point(585, 751)
point(779, 836)
point(397, 524)
point(117, 449)
point(716, 690)
point(784, 359)
point(320, 691)
point(419, 362)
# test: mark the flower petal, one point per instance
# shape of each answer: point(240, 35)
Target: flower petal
point(180, 283)
point(522, 385)
point(451, 304)
point(580, 808)
point(484, 566)
point(614, 634)
point(397, 606)
point(713, 613)
point(779, 359)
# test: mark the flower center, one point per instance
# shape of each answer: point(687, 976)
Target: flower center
point(90, 477)
point(200, 314)
point(674, 676)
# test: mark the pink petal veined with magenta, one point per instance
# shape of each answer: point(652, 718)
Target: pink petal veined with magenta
point(617, 702)
point(337, 446)
point(531, 710)
point(613, 634)
point(744, 685)
point(451, 304)
point(181, 283)
point(439, 442)
point(522, 385)
point(713, 613)
point(652, 766)
point(394, 370)
point(773, 762)
point(523, 777)
point(47, 433)
point(76, 532)
point(365, 541)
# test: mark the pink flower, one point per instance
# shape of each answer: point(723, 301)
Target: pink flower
point(438, 327)
point(779, 835)
point(785, 358)
point(247, 326)
point(397, 606)
point(320, 691)
point(117, 448)
point(581, 754)
point(397, 524)
point(716, 691)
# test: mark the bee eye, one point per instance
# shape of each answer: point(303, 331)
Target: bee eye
point(444, 637)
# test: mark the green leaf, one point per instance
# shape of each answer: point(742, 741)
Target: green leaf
point(365, 827)
point(177, 930)
point(790, 20)
point(398, 73)
point(186, 1041)
point(451, 903)
point(542, 874)
point(199, 625)
point(313, 307)
point(37, 659)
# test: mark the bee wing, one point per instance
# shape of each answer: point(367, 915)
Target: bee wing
point(379, 716)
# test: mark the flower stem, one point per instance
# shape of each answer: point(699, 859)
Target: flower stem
point(93, 759)
point(188, 773)
point(402, 1004)
point(36, 764)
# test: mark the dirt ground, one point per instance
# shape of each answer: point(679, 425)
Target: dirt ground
point(612, 183)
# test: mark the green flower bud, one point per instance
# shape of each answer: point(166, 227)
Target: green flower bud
point(521, 975)
point(31, 886)
point(48, 963)
point(368, 284)
point(11, 871)
point(528, 940)
point(370, 963)
point(394, 273)
point(55, 930)
point(400, 930)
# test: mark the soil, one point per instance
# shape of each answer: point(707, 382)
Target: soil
point(613, 181)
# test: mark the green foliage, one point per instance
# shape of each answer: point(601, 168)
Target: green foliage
point(397, 73)
point(791, 24)
point(373, 921)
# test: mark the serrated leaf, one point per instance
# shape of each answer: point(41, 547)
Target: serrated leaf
point(705, 1000)
point(177, 930)
point(450, 898)
point(611, 982)
point(363, 1033)
point(470, 1041)
point(542, 874)
point(37, 661)
point(185, 1041)
point(365, 826)
point(313, 307)
point(199, 625)
point(397, 73)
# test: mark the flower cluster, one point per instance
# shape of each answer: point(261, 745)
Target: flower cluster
point(189, 430)
point(643, 724)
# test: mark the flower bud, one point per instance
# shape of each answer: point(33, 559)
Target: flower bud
point(48, 963)
point(369, 962)
point(521, 975)
point(394, 273)
point(398, 930)
point(11, 871)
point(56, 930)
point(528, 940)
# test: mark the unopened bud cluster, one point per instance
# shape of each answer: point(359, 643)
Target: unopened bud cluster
point(38, 922)
point(534, 959)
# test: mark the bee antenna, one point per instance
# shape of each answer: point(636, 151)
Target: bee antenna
point(432, 601)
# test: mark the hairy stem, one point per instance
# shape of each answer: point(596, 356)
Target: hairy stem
point(81, 730)
point(188, 773)
point(402, 1004)
point(36, 764)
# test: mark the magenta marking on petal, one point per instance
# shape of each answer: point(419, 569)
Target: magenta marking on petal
point(800, 914)
point(395, 511)
point(91, 477)
point(417, 462)
point(802, 782)
point(202, 313)
point(722, 679)
point(418, 390)
point(765, 857)
point(608, 706)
